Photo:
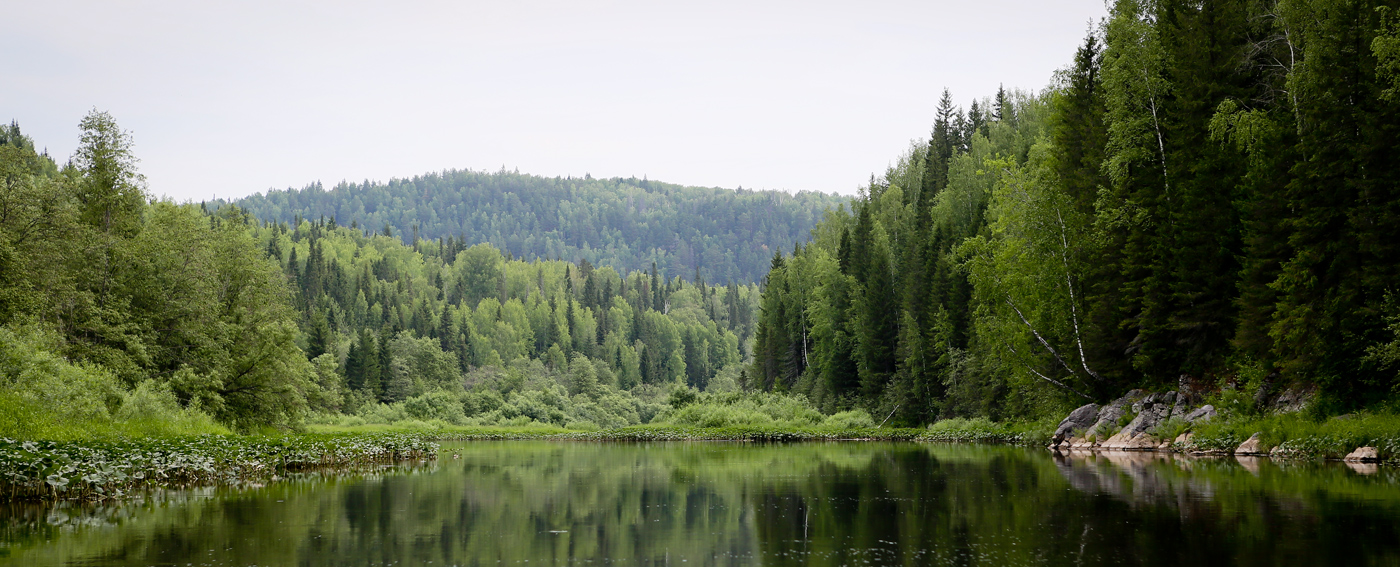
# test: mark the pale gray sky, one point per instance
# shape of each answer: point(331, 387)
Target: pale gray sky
point(231, 98)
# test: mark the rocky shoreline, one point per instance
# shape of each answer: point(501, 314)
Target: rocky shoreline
point(1159, 422)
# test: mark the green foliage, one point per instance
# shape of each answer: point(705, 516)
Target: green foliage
point(145, 291)
point(626, 223)
point(982, 430)
point(739, 409)
point(44, 396)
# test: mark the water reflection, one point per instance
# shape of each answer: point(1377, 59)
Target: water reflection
point(524, 503)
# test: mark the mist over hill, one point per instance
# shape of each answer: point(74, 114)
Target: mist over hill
point(628, 223)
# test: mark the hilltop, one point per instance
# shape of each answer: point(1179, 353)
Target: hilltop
point(627, 223)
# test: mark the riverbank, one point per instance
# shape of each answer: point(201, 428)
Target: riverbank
point(947, 431)
point(106, 469)
point(1177, 422)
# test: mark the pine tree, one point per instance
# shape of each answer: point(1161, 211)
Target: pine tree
point(384, 367)
point(879, 325)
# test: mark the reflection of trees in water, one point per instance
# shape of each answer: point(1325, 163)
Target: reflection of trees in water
point(746, 504)
point(1280, 511)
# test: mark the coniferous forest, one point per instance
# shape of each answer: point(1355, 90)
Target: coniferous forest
point(1209, 192)
point(626, 223)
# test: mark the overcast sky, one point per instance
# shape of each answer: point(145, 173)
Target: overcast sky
point(232, 98)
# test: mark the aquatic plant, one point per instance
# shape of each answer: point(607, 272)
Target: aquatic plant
point(109, 469)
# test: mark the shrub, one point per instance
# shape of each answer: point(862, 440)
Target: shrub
point(436, 405)
point(853, 419)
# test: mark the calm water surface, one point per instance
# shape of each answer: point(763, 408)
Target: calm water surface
point(561, 503)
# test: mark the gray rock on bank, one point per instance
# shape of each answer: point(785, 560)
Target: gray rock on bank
point(1077, 421)
point(1201, 414)
point(1151, 411)
point(1363, 455)
point(1094, 427)
point(1251, 446)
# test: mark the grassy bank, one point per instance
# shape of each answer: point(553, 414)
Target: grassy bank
point(1297, 435)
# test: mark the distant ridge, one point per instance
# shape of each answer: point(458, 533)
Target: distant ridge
point(729, 234)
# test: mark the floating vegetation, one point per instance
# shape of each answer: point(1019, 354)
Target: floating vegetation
point(97, 470)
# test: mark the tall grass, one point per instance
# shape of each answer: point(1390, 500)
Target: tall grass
point(44, 396)
point(983, 430)
point(747, 409)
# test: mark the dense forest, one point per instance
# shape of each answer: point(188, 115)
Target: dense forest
point(126, 313)
point(1209, 193)
point(628, 224)
point(402, 321)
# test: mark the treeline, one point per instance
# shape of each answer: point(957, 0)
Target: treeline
point(1208, 194)
point(627, 223)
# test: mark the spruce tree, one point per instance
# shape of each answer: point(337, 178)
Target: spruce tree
point(319, 336)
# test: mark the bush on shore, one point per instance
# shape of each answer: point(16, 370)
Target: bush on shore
point(44, 396)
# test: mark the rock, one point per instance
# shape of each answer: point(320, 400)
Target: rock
point(1078, 420)
point(1126, 440)
point(1092, 425)
point(1184, 439)
point(1152, 410)
point(1191, 392)
point(1294, 399)
point(1201, 414)
point(1363, 455)
point(1251, 446)
point(1109, 415)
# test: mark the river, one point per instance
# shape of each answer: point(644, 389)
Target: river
point(715, 503)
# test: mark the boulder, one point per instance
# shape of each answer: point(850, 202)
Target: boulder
point(1201, 414)
point(1251, 446)
point(1109, 415)
point(1363, 455)
point(1183, 440)
point(1080, 419)
point(1152, 410)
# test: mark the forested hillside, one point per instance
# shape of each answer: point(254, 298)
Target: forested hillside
point(400, 322)
point(121, 314)
point(1209, 193)
point(625, 223)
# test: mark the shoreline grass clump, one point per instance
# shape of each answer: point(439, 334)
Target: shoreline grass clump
point(97, 470)
point(983, 430)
